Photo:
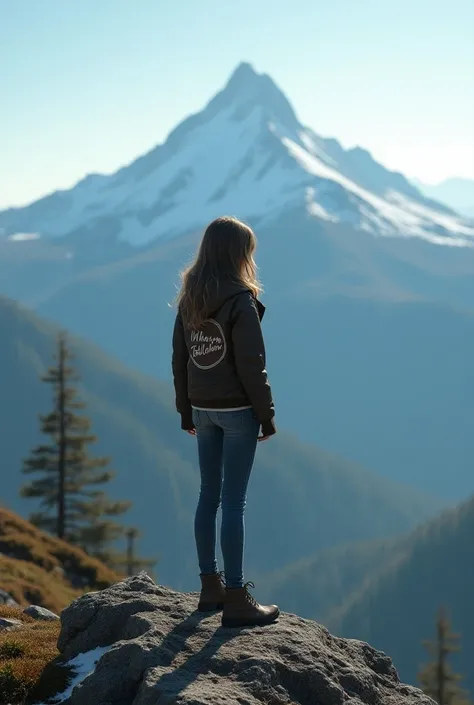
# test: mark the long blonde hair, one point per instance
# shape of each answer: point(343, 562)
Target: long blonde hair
point(225, 255)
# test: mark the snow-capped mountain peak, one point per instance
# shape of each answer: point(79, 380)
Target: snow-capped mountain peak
point(247, 89)
point(246, 154)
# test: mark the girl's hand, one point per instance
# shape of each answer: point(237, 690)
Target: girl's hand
point(191, 431)
point(267, 430)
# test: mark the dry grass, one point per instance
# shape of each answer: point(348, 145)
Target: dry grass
point(20, 539)
point(24, 654)
point(36, 567)
point(29, 584)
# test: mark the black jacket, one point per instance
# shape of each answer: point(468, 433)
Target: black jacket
point(222, 365)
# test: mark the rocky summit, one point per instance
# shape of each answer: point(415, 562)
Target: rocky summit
point(137, 643)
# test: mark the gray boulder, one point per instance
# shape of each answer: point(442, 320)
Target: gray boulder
point(38, 612)
point(6, 599)
point(9, 624)
point(150, 645)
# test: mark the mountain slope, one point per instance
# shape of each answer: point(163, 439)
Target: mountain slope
point(396, 610)
point(319, 584)
point(324, 500)
point(43, 570)
point(388, 592)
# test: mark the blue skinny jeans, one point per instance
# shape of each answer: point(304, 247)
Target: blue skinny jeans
point(227, 441)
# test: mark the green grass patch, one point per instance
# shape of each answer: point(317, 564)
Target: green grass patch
point(11, 648)
point(29, 667)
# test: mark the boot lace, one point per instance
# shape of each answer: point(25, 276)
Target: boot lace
point(250, 597)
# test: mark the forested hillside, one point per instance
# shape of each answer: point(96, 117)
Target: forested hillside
point(396, 610)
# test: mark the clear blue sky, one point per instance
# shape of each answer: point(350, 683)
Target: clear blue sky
point(87, 85)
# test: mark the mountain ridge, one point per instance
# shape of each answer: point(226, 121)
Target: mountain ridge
point(279, 163)
point(456, 192)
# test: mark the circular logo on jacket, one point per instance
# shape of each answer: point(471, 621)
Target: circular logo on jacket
point(208, 346)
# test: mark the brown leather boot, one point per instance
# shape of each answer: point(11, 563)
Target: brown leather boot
point(212, 593)
point(242, 610)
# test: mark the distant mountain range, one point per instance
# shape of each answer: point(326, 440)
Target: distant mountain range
point(369, 284)
point(302, 499)
point(456, 193)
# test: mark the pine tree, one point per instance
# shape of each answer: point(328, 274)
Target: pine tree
point(71, 504)
point(132, 563)
point(437, 678)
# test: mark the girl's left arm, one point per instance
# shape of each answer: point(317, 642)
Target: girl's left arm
point(180, 375)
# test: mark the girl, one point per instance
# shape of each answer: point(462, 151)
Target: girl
point(224, 398)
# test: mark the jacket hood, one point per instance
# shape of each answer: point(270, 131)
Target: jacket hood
point(225, 290)
point(221, 292)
